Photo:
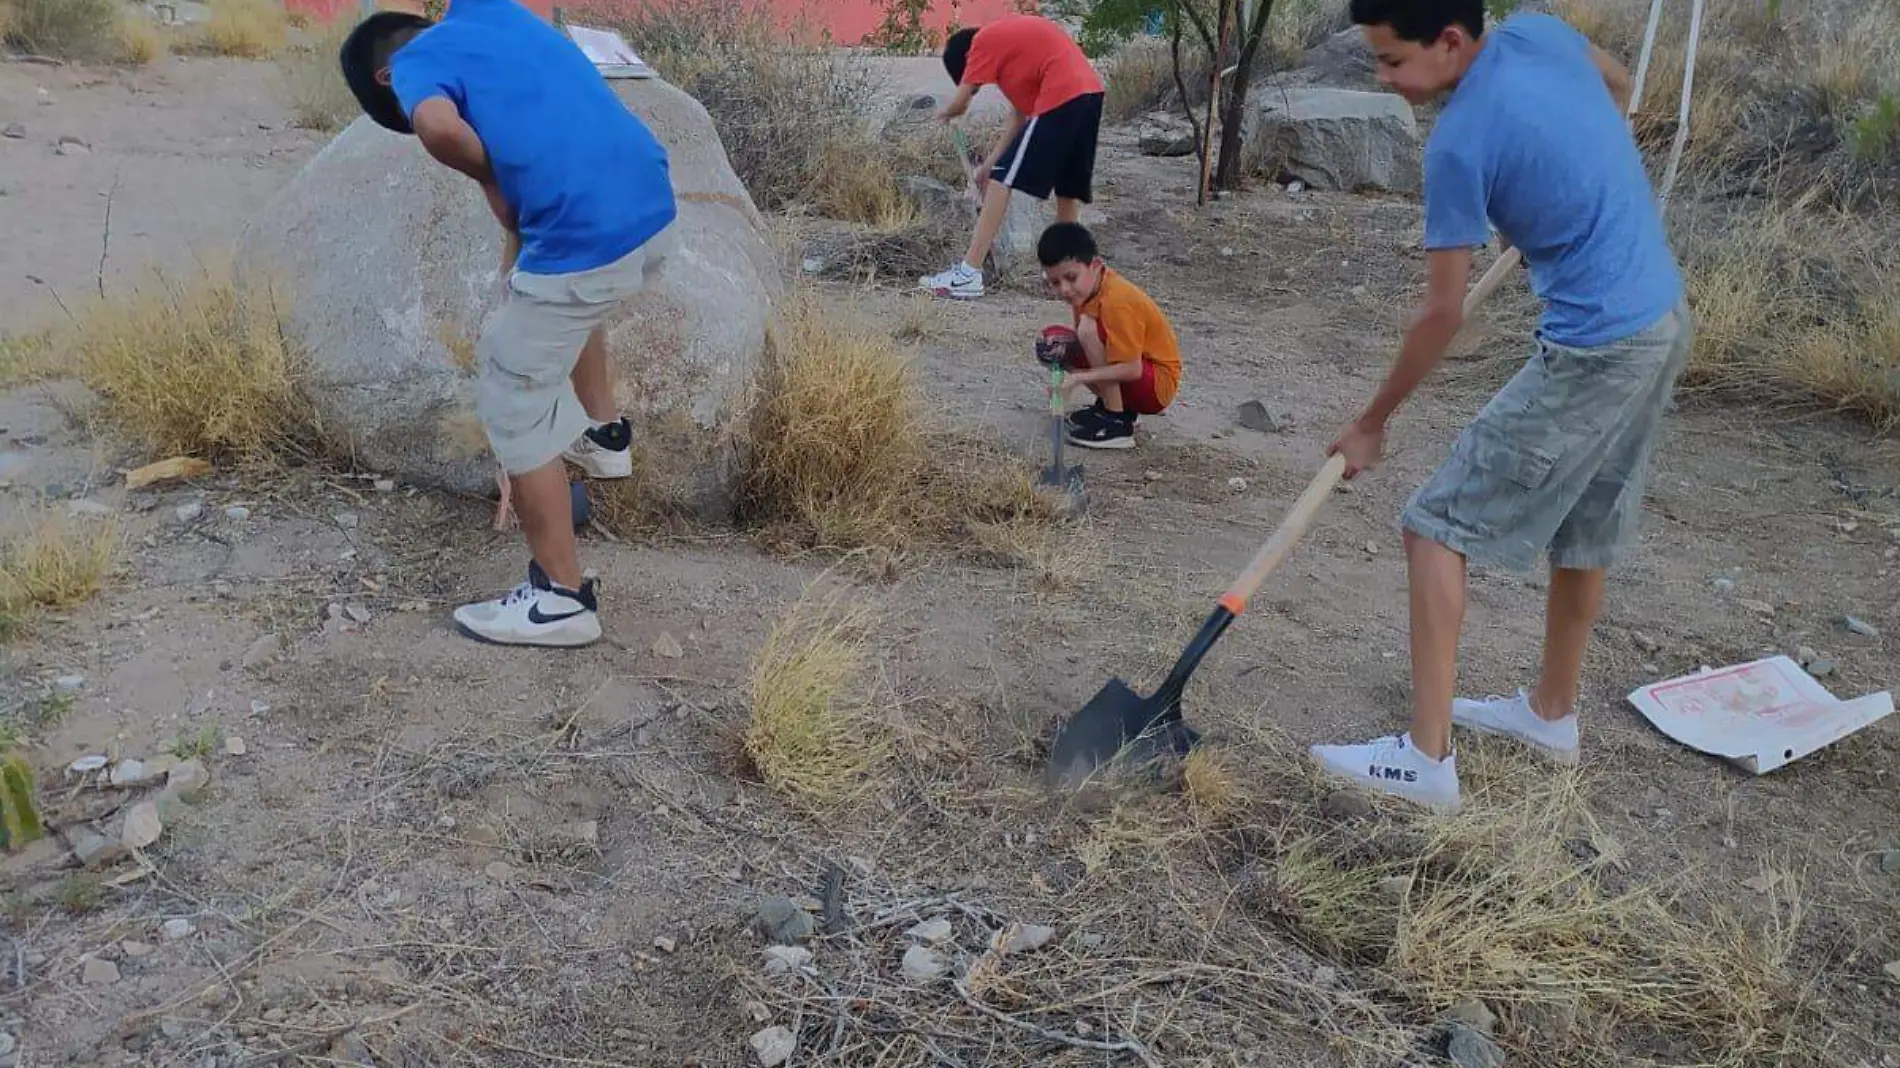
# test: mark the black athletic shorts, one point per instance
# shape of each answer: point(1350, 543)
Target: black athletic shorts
point(1055, 152)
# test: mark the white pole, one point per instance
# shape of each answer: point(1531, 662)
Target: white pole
point(1642, 61)
point(1682, 113)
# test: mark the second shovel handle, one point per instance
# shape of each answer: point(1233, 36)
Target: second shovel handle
point(1295, 524)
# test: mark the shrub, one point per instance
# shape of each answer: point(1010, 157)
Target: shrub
point(319, 97)
point(69, 29)
point(246, 29)
point(813, 733)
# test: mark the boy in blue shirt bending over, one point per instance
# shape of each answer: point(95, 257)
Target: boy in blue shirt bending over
point(1532, 139)
point(585, 200)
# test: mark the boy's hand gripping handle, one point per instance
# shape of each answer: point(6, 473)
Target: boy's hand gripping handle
point(1295, 524)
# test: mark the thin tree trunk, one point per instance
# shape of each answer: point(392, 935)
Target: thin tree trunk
point(1227, 172)
point(1201, 147)
point(1224, 21)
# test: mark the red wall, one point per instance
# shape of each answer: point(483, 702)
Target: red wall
point(848, 20)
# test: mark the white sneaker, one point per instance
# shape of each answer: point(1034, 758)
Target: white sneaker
point(1391, 765)
point(961, 282)
point(604, 451)
point(537, 612)
point(1512, 716)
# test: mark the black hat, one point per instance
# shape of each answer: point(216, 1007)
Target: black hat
point(363, 51)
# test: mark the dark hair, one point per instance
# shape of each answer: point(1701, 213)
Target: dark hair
point(956, 53)
point(367, 50)
point(1420, 21)
point(1066, 241)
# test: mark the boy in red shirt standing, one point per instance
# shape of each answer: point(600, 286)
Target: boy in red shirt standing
point(1055, 98)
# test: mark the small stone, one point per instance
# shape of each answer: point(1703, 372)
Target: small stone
point(782, 922)
point(784, 960)
point(1296, 186)
point(67, 685)
point(1470, 1049)
point(1893, 970)
point(234, 746)
point(98, 972)
point(87, 508)
point(188, 779)
point(757, 1012)
point(667, 647)
point(1644, 642)
point(356, 612)
point(1806, 655)
point(1152, 475)
point(1889, 862)
point(1760, 608)
point(1372, 548)
point(176, 929)
point(1395, 887)
point(261, 651)
point(346, 520)
point(1325, 977)
point(385, 485)
point(1724, 585)
point(7, 1043)
point(1227, 250)
point(1256, 416)
point(922, 965)
point(186, 513)
point(1346, 805)
point(774, 1046)
point(666, 945)
point(94, 850)
point(142, 826)
point(258, 708)
point(14, 131)
point(135, 949)
point(1821, 669)
point(1860, 627)
point(1474, 1014)
point(1022, 938)
point(237, 513)
point(274, 1015)
point(129, 773)
point(1237, 484)
point(350, 1049)
point(224, 590)
point(1360, 291)
point(936, 932)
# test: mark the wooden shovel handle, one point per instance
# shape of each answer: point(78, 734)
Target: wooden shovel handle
point(1295, 524)
point(1491, 279)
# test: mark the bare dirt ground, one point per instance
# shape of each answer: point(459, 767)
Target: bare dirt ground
point(414, 849)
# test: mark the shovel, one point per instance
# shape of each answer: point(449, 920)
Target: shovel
point(1117, 716)
point(1066, 478)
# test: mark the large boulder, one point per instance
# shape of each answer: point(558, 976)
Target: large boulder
point(1335, 139)
point(390, 262)
point(1342, 61)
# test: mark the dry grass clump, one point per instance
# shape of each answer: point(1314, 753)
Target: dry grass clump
point(49, 560)
point(67, 29)
point(140, 41)
point(319, 97)
point(851, 185)
point(1139, 78)
point(245, 29)
point(813, 733)
point(196, 366)
point(845, 453)
point(784, 110)
point(26, 359)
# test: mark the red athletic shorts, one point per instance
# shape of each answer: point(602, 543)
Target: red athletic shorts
point(1138, 396)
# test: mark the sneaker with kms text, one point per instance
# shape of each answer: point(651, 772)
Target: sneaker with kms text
point(1392, 765)
point(604, 451)
point(1553, 739)
point(1109, 431)
point(537, 612)
point(961, 282)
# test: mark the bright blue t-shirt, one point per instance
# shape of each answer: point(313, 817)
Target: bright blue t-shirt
point(1531, 141)
point(587, 180)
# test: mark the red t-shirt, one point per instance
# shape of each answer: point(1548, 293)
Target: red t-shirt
point(1033, 61)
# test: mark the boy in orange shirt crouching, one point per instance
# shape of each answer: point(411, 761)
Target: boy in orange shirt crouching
point(1121, 348)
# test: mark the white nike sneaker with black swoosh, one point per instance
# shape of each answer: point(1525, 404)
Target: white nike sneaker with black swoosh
point(537, 612)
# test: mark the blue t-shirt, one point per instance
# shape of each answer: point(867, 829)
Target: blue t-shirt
point(587, 180)
point(1531, 141)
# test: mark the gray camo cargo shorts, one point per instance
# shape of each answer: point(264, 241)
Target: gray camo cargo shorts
point(1558, 460)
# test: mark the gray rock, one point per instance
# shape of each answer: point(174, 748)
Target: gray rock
point(1893, 970)
point(1860, 627)
point(1724, 585)
point(131, 773)
point(1821, 669)
point(1644, 642)
point(923, 964)
point(936, 932)
point(1343, 60)
point(189, 511)
point(7, 1044)
point(176, 929)
point(774, 1046)
point(780, 921)
point(72, 146)
point(347, 520)
point(1258, 417)
point(784, 960)
point(13, 132)
point(98, 971)
point(1474, 1014)
point(394, 261)
point(94, 850)
point(1022, 938)
point(67, 685)
point(1889, 862)
point(1337, 139)
point(1471, 1049)
point(1164, 133)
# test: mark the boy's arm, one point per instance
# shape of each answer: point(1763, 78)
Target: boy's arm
point(1016, 121)
point(1615, 76)
point(1089, 333)
point(450, 139)
point(958, 104)
point(1425, 344)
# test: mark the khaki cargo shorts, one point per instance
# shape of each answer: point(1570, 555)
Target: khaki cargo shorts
point(524, 395)
point(1558, 460)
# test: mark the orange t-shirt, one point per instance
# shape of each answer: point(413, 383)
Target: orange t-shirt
point(1033, 61)
point(1132, 328)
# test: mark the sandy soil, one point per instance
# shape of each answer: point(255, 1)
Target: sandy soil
point(470, 855)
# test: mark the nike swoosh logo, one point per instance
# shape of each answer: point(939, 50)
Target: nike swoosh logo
point(535, 616)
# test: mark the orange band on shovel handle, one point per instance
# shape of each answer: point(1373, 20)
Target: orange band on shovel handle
point(1276, 549)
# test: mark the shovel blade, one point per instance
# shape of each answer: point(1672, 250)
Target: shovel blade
point(1117, 721)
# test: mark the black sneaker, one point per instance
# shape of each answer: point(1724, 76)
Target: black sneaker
point(605, 451)
point(1082, 418)
point(1112, 431)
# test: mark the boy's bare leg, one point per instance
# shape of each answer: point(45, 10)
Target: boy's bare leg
point(592, 381)
point(989, 222)
point(542, 499)
point(1437, 580)
point(1068, 209)
point(1090, 337)
point(1570, 612)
